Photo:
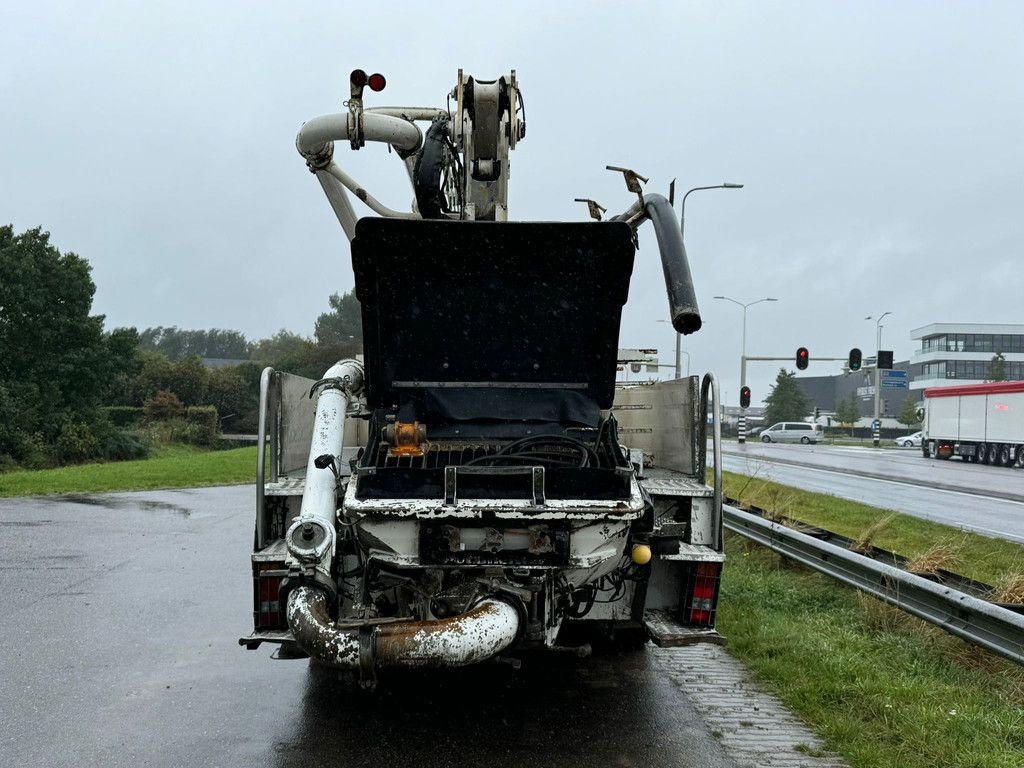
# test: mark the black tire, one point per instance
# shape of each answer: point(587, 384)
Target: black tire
point(1004, 455)
point(992, 454)
point(765, 439)
point(981, 451)
point(805, 440)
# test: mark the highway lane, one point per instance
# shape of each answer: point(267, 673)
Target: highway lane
point(896, 463)
point(824, 473)
point(121, 615)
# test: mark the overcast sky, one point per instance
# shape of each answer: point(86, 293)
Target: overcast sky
point(881, 145)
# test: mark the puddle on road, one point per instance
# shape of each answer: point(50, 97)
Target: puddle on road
point(115, 502)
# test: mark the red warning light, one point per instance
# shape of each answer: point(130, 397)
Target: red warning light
point(357, 78)
point(377, 82)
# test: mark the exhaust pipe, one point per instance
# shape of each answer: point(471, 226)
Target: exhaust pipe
point(488, 628)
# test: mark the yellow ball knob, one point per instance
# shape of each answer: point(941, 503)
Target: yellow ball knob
point(641, 554)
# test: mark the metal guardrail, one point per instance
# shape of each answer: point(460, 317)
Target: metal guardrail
point(997, 629)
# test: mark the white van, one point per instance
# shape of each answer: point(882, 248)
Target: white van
point(792, 432)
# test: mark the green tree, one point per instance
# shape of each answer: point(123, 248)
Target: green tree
point(343, 324)
point(786, 401)
point(997, 368)
point(54, 359)
point(178, 344)
point(908, 412)
point(848, 411)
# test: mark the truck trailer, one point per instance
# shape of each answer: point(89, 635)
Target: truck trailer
point(977, 422)
point(475, 484)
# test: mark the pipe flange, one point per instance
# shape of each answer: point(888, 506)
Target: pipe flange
point(308, 539)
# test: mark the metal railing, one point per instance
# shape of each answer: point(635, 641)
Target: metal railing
point(975, 620)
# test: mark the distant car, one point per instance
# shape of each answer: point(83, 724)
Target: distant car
point(909, 441)
point(792, 432)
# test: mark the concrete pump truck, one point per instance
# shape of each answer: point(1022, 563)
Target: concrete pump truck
point(475, 484)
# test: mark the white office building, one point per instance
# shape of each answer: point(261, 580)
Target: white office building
point(953, 353)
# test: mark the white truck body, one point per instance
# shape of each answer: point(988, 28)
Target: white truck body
point(978, 422)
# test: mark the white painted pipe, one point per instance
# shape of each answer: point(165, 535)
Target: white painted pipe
point(316, 134)
point(488, 628)
point(311, 537)
point(360, 191)
point(339, 202)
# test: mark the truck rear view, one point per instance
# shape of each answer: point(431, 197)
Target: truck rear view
point(476, 485)
point(978, 422)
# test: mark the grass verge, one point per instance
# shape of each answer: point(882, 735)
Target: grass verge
point(883, 689)
point(990, 560)
point(175, 466)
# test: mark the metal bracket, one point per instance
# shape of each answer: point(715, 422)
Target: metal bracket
point(593, 207)
point(450, 495)
point(633, 181)
point(538, 486)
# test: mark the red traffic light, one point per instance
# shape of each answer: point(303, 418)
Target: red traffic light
point(376, 82)
point(802, 358)
point(744, 397)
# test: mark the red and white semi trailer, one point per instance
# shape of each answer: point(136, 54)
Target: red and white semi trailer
point(977, 422)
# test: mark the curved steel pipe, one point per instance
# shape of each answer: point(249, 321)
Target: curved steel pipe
point(682, 298)
point(315, 135)
point(485, 630)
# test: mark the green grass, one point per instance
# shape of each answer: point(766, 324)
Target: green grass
point(985, 559)
point(883, 689)
point(171, 467)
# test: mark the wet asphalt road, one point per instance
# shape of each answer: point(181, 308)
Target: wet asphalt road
point(942, 491)
point(120, 619)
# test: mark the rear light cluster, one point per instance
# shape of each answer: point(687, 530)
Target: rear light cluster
point(268, 613)
point(700, 591)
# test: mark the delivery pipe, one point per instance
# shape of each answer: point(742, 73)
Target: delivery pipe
point(474, 636)
point(682, 299)
point(316, 135)
point(310, 538)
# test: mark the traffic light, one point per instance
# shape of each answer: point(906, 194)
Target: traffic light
point(802, 358)
point(885, 360)
point(854, 361)
point(744, 397)
point(817, 413)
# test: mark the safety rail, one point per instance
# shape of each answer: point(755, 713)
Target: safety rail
point(710, 384)
point(975, 620)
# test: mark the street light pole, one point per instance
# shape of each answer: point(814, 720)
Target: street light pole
point(679, 353)
point(682, 235)
point(878, 376)
point(742, 436)
point(682, 210)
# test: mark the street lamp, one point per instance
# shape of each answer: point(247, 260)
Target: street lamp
point(682, 211)
point(878, 392)
point(679, 353)
point(743, 355)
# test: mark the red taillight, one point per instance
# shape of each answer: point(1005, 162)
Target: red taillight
point(357, 78)
point(377, 82)
point(704, 594)
point(268, 613)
